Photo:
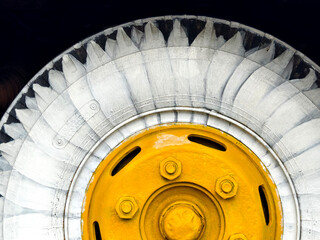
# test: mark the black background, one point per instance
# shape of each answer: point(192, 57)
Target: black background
point(33, 32)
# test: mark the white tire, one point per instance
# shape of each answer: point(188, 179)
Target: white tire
point(148, 72)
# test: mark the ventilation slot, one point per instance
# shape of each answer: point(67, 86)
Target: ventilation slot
point(97, 231)
point(264, 204)
point(207, 142)
point(125, 160)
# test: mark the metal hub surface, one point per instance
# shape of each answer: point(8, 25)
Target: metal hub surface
point(181, 181)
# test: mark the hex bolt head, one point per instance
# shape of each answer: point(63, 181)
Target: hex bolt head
point(226, 187)
point(126, 207)
point(238, 236)
point(170, 168)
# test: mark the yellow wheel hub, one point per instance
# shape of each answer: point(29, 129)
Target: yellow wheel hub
point(181, 182)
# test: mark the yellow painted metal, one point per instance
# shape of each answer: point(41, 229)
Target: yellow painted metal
point(170, 168)
point(126, 207)
point(226, 187)
point(181, 185)
point(182, 221)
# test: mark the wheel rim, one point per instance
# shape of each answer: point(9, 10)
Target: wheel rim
point(156, 181)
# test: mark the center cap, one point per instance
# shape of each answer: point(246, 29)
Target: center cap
point(182, 221)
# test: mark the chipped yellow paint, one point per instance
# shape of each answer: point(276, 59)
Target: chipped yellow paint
point(189, 203)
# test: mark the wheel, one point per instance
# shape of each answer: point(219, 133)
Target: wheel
point(177, 127)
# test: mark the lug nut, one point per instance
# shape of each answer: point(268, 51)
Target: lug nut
point(126, 207)
point(170, 168)
point(226, 187)
point(238, 236)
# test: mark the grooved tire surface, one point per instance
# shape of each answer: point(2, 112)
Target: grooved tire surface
point(148, 65)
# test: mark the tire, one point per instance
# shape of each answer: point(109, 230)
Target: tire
point(149, 72)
